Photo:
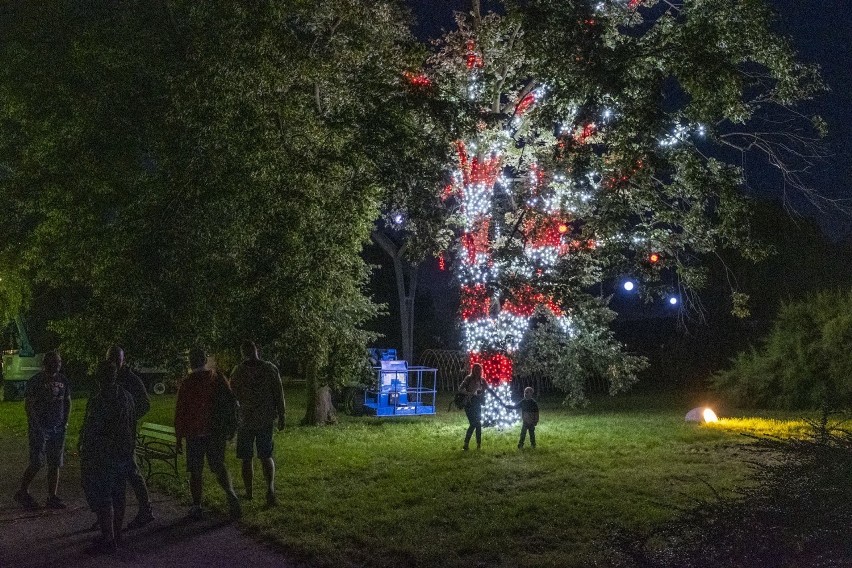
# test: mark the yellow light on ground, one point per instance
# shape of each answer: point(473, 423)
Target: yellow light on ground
point(710, 416)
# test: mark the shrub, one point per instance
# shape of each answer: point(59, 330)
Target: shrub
point(805, 362)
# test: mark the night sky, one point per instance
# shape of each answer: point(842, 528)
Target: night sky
point(821, 31)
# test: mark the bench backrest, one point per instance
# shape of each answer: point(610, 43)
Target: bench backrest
point(158, 432)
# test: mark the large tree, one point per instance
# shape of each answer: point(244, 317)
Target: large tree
point(198, 172)
point(601, 150)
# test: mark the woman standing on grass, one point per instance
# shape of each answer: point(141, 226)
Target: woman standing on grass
point(473, 387)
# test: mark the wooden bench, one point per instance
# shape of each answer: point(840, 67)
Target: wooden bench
point(157, 443)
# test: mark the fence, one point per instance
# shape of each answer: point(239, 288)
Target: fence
point(453, 366)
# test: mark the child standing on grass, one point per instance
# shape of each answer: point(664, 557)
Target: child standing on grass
point(529, 416)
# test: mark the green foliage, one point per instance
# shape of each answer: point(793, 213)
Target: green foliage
point(804, 362)
point(572, 359)
point(198, 173)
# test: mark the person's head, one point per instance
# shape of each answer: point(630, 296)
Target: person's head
point(248, 349)
point(51, 363)
point(115, 355)
point(528, 392)
point(106, 373)
point(476, 371)
point(197, 358)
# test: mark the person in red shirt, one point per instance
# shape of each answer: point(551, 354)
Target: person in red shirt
point(195, 422)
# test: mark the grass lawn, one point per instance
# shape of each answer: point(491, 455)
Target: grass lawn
point(391, 492)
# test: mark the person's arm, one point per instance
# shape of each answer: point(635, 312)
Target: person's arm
point(66, 404)
point(513, 405)
point(29, 396)
point(141, 401)
point(278, 393)
point(180, 418)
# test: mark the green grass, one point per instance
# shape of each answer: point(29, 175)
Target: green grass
point(389, 492)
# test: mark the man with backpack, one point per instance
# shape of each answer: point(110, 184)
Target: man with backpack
point(257, 386)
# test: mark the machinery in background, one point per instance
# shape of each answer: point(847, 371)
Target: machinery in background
point(19, 364)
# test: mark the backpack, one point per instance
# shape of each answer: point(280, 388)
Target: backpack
point(226, 410)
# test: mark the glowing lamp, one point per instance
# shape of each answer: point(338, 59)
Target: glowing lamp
point(398, 219)
point(654, 258)
point(701, 415)
point(673, 301)
point(629, 286)
point(563, 228)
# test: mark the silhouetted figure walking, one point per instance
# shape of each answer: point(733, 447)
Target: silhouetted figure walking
point(196, 422)
point(257, 386)
point(107, 444)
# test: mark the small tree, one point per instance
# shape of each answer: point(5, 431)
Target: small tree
point(805, 361)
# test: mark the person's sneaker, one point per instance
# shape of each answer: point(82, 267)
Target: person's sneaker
point(101, 546)
point(54, 502)
point(195, 513)
point(140, 520)
point(465, 448)
point(521, 446)
point(25, 500)
point(271, 499)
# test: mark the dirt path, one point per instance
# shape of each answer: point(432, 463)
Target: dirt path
point(59, 538)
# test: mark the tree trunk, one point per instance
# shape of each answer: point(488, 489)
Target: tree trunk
point(406, 272)
point(320, 409)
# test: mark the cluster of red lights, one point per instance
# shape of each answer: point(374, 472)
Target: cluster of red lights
point(575, 245)
point(545, 232)
point(476, 241)
point(525, 300)
point(478, 170)
point(442, 262)
point(475, 302)
point(524, 104)
point(589, 130)
point(418, 80)
point(473, 59)
point(496, 367)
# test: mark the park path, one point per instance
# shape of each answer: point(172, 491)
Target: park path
point(58, 538)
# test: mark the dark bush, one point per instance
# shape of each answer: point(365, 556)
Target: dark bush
point(805, 362)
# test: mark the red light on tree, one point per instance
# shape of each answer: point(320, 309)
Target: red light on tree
point(654, 258)
point(563, 228)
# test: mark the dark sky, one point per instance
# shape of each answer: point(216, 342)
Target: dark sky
point(821, 31)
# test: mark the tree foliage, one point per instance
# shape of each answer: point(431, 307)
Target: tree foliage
point(192, 172)
point(623, 120)
point(803, 363)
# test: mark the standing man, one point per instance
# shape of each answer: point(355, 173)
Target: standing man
point(257, 386)
point(107, 443)
point(48, 405)
point(195, 422)
point(130, 382)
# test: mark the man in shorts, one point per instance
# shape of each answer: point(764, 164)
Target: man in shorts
point(194, 422)
point(48, 405)
point(257, 386)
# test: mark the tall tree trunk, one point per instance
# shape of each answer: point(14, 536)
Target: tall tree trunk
point(320, 409)
point(406, 273)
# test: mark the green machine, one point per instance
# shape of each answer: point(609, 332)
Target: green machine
point(19, 364)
